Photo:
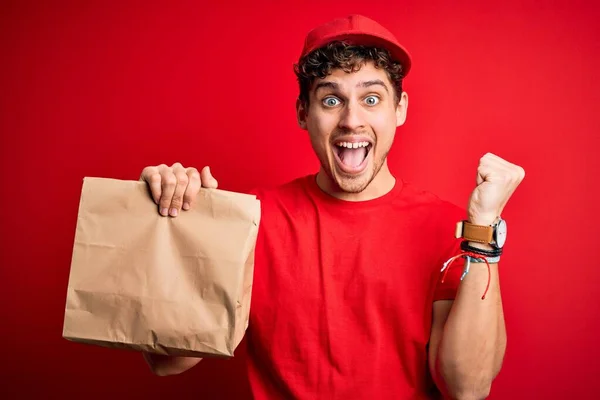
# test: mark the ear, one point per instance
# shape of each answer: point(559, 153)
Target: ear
point(401, 109)
point(301, 114)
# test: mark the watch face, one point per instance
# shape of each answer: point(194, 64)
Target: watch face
point(501, 233)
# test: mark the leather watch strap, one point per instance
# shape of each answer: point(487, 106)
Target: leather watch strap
point(474, 233)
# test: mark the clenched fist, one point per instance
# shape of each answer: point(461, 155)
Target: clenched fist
point(497, 179)
point(174, 188)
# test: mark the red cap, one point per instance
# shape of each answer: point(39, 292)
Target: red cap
point(358, 30)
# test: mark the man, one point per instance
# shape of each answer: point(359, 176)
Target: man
point(348, 298)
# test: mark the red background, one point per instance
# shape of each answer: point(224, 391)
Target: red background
point(88, 89)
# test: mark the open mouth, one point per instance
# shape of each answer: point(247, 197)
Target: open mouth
point(352, 157)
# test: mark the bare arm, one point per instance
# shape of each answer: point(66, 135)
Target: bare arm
point(468, 337)
point(165, 365)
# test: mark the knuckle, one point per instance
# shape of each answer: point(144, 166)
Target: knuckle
point(182, 179)
point(148, 171)
point(155, 178)
point(193, 173)
point(487, 157)
point(195, 176)
point(170, 180)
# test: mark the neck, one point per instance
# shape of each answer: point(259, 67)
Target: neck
point(382, 184)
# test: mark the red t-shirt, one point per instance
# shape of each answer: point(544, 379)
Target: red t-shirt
point(342, 298)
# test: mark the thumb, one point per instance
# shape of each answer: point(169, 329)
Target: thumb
point(479, 179)
point(484, 172)
point(208, 181)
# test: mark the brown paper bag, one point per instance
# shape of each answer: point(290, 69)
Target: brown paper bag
point(174, 286)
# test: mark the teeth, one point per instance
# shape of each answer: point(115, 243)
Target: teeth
point(352, 145)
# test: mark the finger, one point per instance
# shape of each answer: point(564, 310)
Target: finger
point(521, 173)
point(495, 159)
point(493, 168)
point(516, 172)
point(208, 181)
point(507, 174)
point(180, 187)
point(193, 188)
point(488, 171)
point(483, 170)
point(168, 184)
point(151, 176)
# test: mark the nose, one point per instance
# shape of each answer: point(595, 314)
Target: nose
point(351, 118)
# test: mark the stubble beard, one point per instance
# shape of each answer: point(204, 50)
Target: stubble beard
point(353, 184)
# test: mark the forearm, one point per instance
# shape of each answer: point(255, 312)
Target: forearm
point(472, 345)
point(166, 365)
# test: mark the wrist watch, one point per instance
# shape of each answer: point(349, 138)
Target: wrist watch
point(494, 235)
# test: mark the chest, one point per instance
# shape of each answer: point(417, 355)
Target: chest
point(350, 270)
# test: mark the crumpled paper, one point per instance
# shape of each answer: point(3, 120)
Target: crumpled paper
point(173, 286)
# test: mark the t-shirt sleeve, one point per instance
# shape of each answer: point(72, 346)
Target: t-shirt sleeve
point(450, 246)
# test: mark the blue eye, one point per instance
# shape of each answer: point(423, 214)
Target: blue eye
point(372, 100)
point(331, 102)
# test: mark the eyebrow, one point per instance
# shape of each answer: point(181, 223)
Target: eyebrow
point(364, 84)
point(373, 83)
point(330, 85)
